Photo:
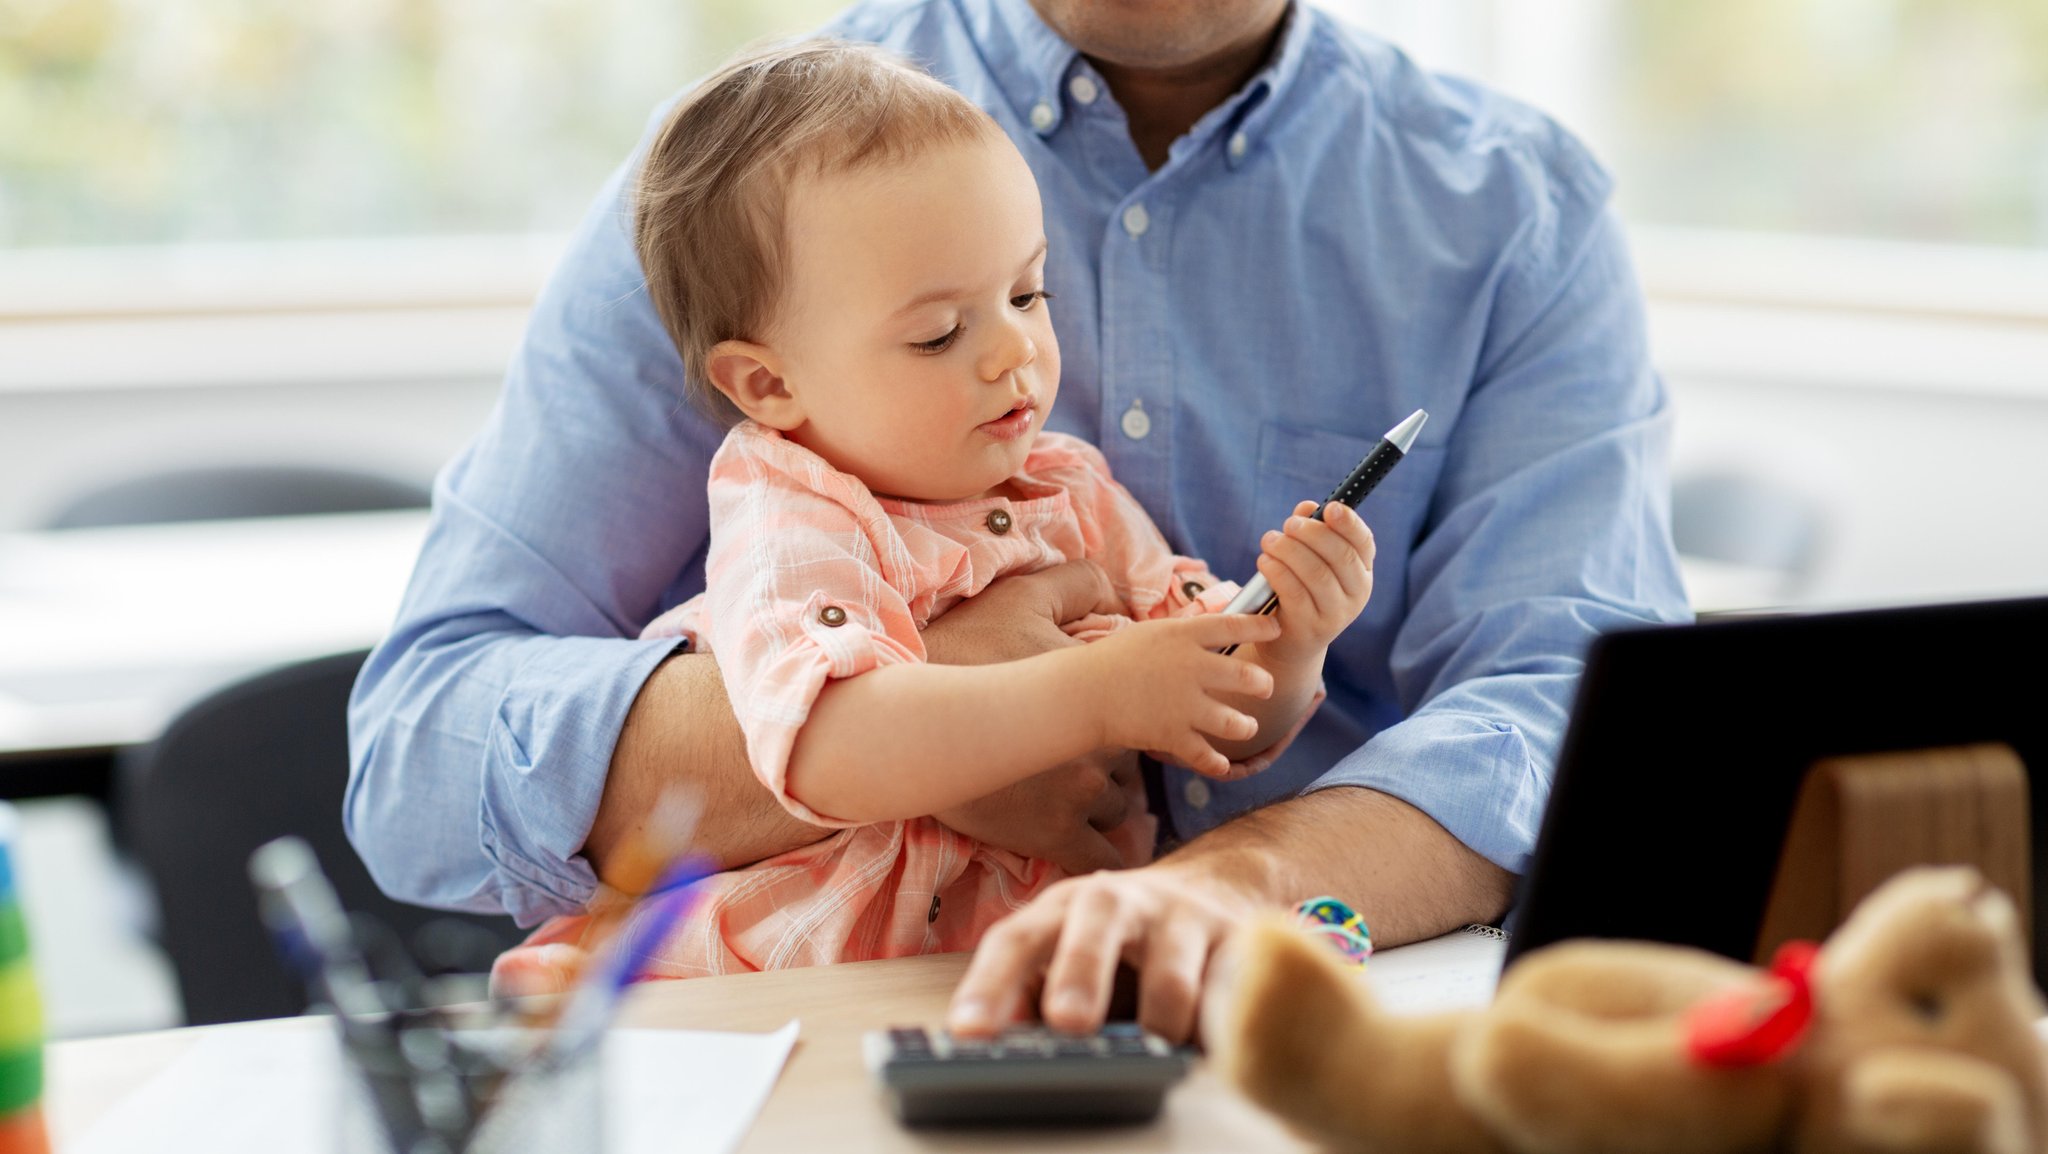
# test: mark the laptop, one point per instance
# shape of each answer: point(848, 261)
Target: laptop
point(1688, 744)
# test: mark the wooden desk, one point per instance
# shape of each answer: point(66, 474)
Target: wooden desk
point(825, 1100)
point(105, 634)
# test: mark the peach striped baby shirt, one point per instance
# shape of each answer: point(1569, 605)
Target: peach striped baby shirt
point(810, 577)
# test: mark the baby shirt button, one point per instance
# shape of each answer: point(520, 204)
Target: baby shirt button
point(1193, 589)
point(832, 615)
point(1197, 793)
point(999, 521)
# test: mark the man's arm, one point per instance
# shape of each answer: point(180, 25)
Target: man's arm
point(682, 730)
point(1374, 851)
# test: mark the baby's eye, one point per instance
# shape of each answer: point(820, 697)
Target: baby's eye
point(1024, 303)
point(938, 344)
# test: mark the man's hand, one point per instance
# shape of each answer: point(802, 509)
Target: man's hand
point(1164, 921)
point(1021, 616)
point(1407, 875)
point(1059, 815)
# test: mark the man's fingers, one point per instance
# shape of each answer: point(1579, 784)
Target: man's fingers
point(1087, 851)
point(1109, 803)
point(1080, 588)
point(1077, 986)
point(1008, 961)
point(1170, 984)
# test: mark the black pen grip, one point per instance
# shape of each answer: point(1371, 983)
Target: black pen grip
point(1365, 477)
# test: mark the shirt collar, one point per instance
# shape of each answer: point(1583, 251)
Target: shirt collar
point(1032, 64)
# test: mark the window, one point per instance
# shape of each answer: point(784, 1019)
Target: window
point(147, 121)
point(1910, 120)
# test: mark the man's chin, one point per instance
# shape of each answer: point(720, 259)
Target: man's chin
point(1156, 34)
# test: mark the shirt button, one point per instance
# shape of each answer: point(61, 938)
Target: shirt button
point(1237, 145)
point(1137, 220)
point(1135, 423)
point(998, 521)
point(1196, 791)
point(1041, 116)
point(1082, 89)
point(1192, 588)
point(832, 615)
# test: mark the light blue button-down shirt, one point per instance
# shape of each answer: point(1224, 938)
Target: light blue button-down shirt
point(1344, 241)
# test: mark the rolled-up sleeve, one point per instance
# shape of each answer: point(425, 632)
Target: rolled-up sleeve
point(482, 728)
point(1550, 524)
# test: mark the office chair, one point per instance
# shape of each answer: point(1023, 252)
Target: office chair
point(254, 761)
point(231, 491)
point(1775, 531)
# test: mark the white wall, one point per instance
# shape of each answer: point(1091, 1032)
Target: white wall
point(1934, 462)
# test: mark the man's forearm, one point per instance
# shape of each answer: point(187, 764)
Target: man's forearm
point(681, 731)
point(1403, 872)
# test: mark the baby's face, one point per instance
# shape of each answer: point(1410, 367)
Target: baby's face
point(911, 326)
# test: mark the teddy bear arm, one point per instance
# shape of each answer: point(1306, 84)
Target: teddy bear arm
point(1301, 1036)
point(1934, 1102)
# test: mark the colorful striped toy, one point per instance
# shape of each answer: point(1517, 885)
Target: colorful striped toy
point(21, 1015)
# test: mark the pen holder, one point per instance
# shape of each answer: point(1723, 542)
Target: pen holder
point(428, 1082)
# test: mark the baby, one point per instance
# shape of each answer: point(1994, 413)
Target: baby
point(850, 257)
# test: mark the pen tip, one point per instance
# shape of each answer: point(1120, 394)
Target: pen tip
point(1403, 435)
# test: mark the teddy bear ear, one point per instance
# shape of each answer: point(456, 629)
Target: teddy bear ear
point(1929, 929)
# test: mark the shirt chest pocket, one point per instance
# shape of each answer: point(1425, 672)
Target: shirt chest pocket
point(1301, 464)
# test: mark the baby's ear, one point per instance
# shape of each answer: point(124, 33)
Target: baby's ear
point(750, 375)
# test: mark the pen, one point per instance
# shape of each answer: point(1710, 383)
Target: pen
point(1257, 596)
point(313, 933)
point(595, 998)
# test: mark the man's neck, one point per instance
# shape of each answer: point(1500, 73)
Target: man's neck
point(1161, 104)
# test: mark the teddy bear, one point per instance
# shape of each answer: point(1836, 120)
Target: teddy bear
point(1911, 1029)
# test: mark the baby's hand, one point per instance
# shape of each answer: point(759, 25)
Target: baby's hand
point(1321, 571)
point(1162, 686)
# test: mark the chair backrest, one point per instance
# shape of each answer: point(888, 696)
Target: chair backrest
point(254, 761)
point(230, 491)
point(1742, 518)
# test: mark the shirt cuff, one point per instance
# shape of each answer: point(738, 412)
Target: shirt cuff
point(545, 761)
point(1473, 775)
point(778, 703)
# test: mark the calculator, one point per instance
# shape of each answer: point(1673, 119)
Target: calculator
point(1026, 1075)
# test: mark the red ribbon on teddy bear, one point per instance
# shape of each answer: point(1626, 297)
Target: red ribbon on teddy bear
point(1749, 1027)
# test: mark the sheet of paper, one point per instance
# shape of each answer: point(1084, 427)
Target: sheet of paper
point(260, 1091)
point(1457, 971)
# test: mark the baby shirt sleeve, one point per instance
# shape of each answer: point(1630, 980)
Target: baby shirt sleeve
point(804, 584)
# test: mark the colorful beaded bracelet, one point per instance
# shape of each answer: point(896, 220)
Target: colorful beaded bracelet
point(1338, 924)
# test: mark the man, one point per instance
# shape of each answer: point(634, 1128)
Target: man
point(1271, 238)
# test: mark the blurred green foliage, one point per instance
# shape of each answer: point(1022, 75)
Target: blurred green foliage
point(134, 121)
point(1921, 119)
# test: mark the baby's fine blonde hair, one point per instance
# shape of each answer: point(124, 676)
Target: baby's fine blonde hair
point(708, 207)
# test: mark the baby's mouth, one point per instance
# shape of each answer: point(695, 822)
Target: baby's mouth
point(1023, 406)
